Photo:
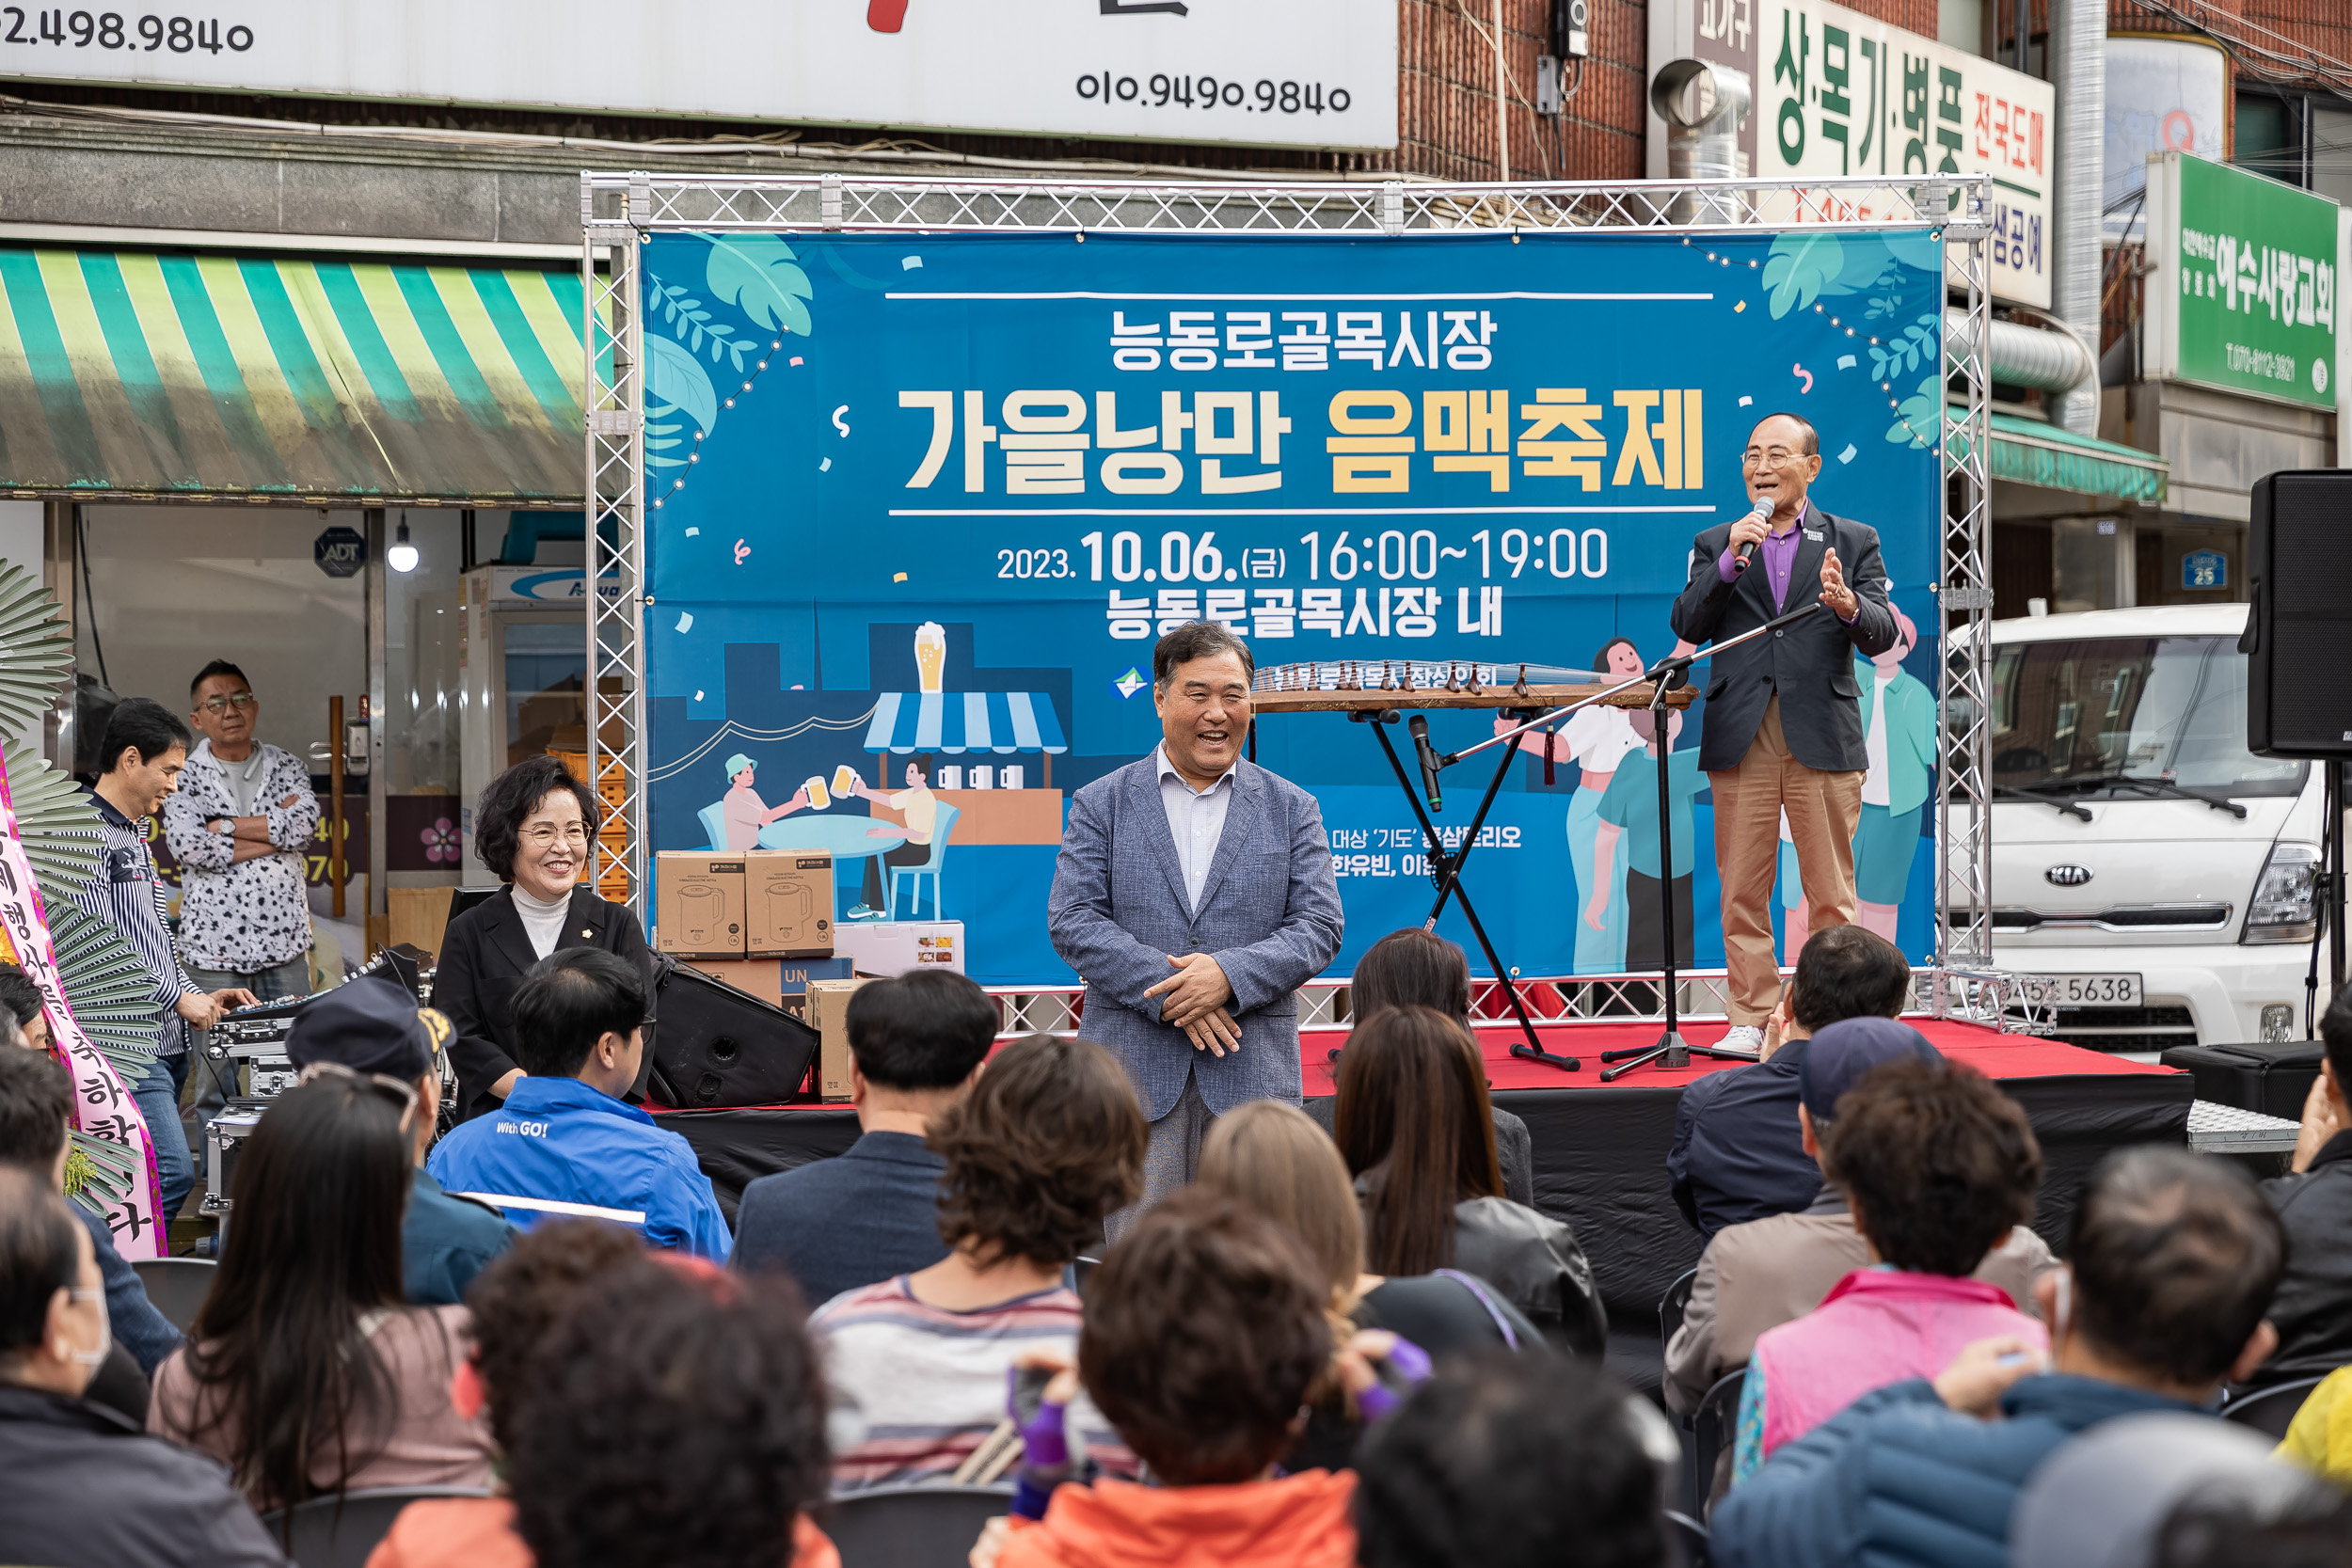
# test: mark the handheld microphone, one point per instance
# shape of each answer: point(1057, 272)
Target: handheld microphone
point(1762, 510)
point(1428, 755)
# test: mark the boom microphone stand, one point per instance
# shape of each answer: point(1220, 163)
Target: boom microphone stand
point(1671, 1047)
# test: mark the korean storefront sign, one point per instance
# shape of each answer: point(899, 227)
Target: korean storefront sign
point(1835, 92)
point(2243, 292)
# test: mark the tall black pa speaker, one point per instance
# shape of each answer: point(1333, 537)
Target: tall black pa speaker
point(715, 1046)
point(2299, 625)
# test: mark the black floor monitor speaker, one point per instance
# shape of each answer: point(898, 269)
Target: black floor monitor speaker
point(2298, 628)
point(714, 1046)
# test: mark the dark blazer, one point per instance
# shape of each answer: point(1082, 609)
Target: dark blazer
point(486, 955)
point(835, 1225)
point(1810, 664)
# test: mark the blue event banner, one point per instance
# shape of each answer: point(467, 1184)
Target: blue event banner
point(919, 505)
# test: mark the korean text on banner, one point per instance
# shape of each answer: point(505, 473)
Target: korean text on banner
point(102, 1107)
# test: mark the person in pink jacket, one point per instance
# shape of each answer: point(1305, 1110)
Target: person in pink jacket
point(1937, 1164)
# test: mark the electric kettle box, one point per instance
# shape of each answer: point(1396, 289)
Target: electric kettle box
point(788, 904)
point(698, 904)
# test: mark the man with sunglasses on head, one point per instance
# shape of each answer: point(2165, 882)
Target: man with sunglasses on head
point(372, 1027)
point(239, 824)
point(1782, 725)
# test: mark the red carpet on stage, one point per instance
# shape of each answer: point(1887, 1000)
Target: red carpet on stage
point(1995, 1055)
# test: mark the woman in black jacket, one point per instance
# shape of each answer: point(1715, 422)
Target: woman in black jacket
point(1416, 1130)
point(534, 826)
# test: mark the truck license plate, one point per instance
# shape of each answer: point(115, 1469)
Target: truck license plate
point(2098, 990)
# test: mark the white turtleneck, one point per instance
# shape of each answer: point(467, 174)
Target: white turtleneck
point(543, 922)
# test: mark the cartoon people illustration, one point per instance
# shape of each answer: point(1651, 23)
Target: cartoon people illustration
point(919, 808)
point(1898, 730)
point(1628, 822)
point(1597, 739)
point(744, 811)
point(1899, 733)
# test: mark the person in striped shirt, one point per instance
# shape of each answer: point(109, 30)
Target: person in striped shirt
point(145, 747)
point(1048, 1142)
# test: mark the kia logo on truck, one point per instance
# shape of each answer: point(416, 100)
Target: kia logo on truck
point(2067, 876)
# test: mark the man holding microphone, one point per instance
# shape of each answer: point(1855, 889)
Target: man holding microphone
point(1783, 728)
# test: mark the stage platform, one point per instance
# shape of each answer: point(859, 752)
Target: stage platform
point(1601, 1149)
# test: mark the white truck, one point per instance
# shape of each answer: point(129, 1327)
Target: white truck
point(2142, 855)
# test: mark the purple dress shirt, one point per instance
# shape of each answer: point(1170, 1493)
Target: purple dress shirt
point(1779, 554)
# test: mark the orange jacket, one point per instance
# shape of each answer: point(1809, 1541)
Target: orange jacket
point(1296, 1522)
point(479, 1532)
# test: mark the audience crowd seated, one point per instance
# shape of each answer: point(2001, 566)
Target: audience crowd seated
point(1206, 1327)
point(84, 1484)
point(915, 1043)
point(1048, 1143)
point(2170, 1264)
point(1415, 968)
point(35, 1115)
point(563, 1141)
point(2312, 1311)
point(1938, 1167)
point(1758, 1274)
point(1413, 1124)
point(1270, 1159)
point(372, 1025)
point(306, 1372)
point(1737, 1154)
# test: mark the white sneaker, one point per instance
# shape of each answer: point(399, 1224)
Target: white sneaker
point(1742, 1037)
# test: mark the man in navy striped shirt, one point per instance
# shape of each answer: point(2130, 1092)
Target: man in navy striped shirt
point(145, 749)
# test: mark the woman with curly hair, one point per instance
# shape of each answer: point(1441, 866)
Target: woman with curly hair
point(1049, 1141)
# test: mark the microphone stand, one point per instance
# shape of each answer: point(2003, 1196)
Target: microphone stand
point(1670, 1046)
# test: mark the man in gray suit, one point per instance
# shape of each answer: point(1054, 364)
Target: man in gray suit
point(1194, 894)
point(1784, 723)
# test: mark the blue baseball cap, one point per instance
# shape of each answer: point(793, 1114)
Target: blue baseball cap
point(1838, 1057)
point(369, 1024)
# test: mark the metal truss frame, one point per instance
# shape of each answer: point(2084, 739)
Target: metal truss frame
point(620, 209)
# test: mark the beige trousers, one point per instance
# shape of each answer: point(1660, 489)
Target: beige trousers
point(1824, 810)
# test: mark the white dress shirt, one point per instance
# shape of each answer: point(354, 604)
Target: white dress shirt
point(1196, 820)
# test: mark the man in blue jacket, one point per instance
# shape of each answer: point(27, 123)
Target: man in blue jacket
point(565, 1141)
point(2173, 1264)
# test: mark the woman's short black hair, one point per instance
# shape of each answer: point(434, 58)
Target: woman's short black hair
point(571, 999)
point(674, 1415)
point(37, 1257)
point(35, 1108)
point(143, 726)
point(19, 995)
point(524, 1292)
point(1504, 1460)
point(507, 802)
point(1937, 1163)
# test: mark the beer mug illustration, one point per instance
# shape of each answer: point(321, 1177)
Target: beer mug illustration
point(983, 778)
point(1011, 776)
point(845, 782)
point(950, 776)
point(818, 799)
point(930, 656)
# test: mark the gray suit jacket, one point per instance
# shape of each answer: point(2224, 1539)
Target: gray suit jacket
point(1809, 664)
point(1269, 915)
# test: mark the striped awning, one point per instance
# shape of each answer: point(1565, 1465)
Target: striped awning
point(960, 721)
point(2031, 453)
point(135, 374)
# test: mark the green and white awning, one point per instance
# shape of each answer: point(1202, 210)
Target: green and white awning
point(136, 375)
point(2028, 452)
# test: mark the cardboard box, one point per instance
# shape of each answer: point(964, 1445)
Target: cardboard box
point(828, 1013)
point(698, 904)
point(888, 947)
point(762, 977)
point(788, 903)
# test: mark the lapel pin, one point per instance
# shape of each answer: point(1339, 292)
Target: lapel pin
point(587, 930)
